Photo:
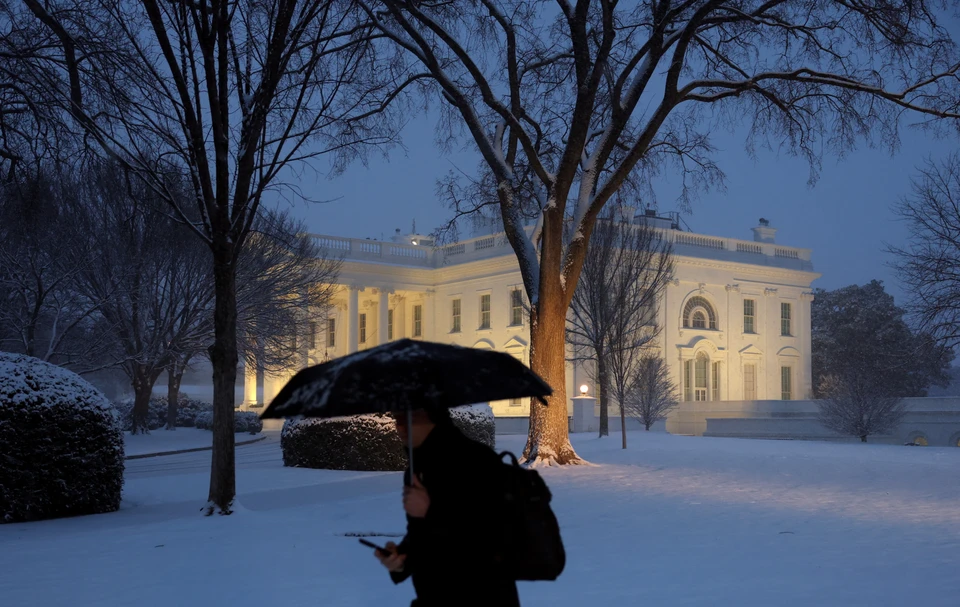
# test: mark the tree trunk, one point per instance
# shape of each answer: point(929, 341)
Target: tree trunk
point(549, 439)
point(223, 356)
point(863, 438)
point(174, 377)
point(142, 389)
point(646, 426)
point(604, 391)
point(623, 424)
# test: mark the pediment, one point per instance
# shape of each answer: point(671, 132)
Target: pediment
point(751, 350)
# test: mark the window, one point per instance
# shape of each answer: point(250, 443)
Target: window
point(485, 311)
point(688, 380)
point(716, 381)
point(785, 319)
point(921, 441)
point(749, 316)
point(701, 367)
point(749, 382)
point(456, 316)
point(516, 308)
point(699, 314)
point(331, 332)
point(363, 328)
point(418, 321)
point(389, 324)
point(312, 336)
point(514, 402)
point(786, 383)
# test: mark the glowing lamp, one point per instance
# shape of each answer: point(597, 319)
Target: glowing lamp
point(584, 389)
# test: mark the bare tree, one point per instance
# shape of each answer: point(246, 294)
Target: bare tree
point(652, 394)
point(233, 94)
point(143, 270)
point(40, 259)
point(574, 104)
point(855, 406)
point(624, 273)
point(929, 265)
point(287, 284)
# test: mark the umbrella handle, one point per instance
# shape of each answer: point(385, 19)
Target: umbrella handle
point(410, 442)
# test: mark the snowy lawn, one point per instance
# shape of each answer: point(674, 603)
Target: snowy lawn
point(671, 521)
point(161, 441)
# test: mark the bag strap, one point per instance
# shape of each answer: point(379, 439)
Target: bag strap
point(513, 458)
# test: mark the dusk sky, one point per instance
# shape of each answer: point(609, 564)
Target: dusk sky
point(846, 218)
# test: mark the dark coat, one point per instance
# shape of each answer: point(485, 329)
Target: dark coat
point(450, 552)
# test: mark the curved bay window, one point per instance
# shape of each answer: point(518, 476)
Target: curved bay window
point(699, 314)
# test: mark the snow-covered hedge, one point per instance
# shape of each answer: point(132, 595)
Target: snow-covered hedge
point(187, 411)
point(243, 421)
point(476, 421)
point(61, 443)
point(366, 442)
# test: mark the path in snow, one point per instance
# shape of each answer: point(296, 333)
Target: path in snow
point(671, 521)
point(160, 440)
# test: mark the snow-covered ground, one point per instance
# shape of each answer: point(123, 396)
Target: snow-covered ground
point(671, 521)
point(162, 441)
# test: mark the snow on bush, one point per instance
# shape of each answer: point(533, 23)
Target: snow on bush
point(187, 411)
point(360, 442)
point(243, 421)
point(477, 422)
point(366, 442)
point(60, 441)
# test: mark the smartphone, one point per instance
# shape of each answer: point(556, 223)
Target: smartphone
point(370, 544)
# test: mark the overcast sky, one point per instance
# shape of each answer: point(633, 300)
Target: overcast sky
point(846, 218)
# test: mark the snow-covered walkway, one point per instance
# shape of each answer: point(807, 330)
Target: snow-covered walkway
point(165, 441)
point(671, 521)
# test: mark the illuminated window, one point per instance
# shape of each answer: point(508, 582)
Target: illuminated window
point(418, 321)
point(786, 383)
point(516, 308)
point(749, 316)
point(699, 314)
point(485, 311)
point(785, 313)
point(389, 324)
point(331, 332)
point(701, 368)
point(363, 328)
point(455, 310)
point(312, 336)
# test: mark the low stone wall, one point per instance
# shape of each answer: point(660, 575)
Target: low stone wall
point(935, 419)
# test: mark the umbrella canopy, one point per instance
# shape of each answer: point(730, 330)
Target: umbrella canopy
point(403, 375)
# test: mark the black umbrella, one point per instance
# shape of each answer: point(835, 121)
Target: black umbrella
point(404, 375)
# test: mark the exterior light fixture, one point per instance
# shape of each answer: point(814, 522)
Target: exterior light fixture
point(584, 389)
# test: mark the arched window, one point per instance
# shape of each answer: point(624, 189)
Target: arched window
point(699, 314)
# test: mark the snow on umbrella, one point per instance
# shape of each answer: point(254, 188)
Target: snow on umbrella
point(404, 375)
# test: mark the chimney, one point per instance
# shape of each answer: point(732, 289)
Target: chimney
point(650, 212)
point(763, 232)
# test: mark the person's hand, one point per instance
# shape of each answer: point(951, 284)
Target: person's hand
point(416, 501)
point(391, 559)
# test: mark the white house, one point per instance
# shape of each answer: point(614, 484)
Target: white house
point(736, 317)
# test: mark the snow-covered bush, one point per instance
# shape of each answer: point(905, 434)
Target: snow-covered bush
point(60, 441)
point(477, 422)
point(187, 411)
point(367, 442)
point(361, 442)
point(243, 421)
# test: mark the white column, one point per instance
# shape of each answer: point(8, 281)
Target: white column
point(249, 384)
point(383, 308)
point(429, 310)
point(806, 346)
point(353, 328)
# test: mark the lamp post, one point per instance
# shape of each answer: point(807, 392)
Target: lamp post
point(583, 410)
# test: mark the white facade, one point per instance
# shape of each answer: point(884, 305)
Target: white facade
point(465, 294)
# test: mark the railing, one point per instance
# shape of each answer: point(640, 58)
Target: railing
point(336, 244)
point(367, 246)
point(749, 247)
point(408, 252)
point(484, 243)
point(695, 240)
point(455, 249)
point(786, 253)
